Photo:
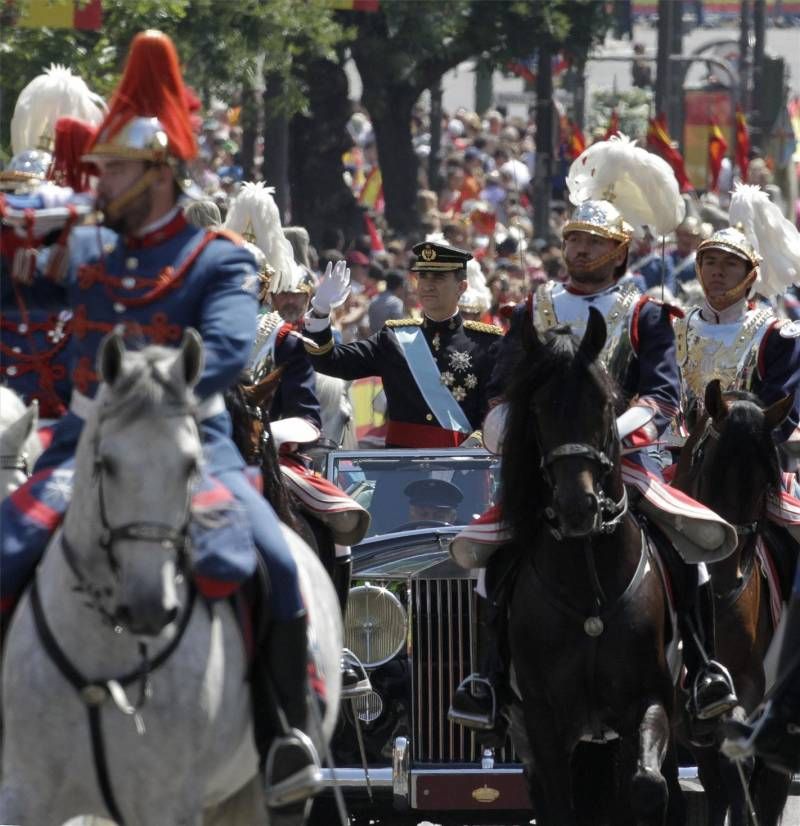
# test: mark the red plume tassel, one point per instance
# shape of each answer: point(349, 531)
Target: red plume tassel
point(152, 87)
point(72, 138)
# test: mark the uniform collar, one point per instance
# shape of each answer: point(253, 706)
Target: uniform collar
point(166, 227)
point(580, 293)
point(729, 315)
point(453, 323)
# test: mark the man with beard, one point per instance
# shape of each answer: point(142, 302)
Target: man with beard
point(151, 273)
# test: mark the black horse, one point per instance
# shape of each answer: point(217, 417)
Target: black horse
point(730, 463)
point(587, 613)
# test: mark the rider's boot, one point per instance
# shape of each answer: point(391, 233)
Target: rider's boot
point(711, 690)
point(776, 736)
point(292, 769)
point(355, 682)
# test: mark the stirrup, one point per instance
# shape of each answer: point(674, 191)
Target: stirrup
point(473, 717)
point(350, 662)
point(723, 704)
point(301, 784)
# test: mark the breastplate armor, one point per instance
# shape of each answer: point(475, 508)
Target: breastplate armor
point(728, 352)
point(554, 306)
point(262, 357)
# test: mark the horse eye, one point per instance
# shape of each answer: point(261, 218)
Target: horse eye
point(192, 466)
point(106, 465)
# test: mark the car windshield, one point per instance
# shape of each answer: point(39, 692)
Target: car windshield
point(406, 491)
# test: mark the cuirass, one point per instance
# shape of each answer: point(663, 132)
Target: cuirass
point(554, 306)
point(728, 352)
point(262, 358)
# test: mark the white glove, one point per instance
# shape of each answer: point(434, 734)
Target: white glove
point(333, 290)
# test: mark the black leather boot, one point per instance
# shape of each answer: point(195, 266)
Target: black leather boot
point(292, 769)
point(711, 690)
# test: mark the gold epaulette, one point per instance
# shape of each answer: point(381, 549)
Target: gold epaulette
point(480, 327)
point(403, 322)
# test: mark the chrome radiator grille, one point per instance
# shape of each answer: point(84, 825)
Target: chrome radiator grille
point(444, 617)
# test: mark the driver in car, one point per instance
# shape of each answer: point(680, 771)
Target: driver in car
point(432, 500)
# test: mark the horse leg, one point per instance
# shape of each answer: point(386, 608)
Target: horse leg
point(710, 771)
point(676, 804)
point(649, 793)
point(769, 790)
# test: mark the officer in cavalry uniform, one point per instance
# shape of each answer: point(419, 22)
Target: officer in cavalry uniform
point(688, 234)
point(151, 272)
point(54, 120)
point(639, 355)
point(746, 347)
point(435, 370)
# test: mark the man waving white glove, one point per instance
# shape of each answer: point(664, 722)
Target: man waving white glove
point(333, 290)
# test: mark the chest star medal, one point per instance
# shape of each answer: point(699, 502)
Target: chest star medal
point(460, 360)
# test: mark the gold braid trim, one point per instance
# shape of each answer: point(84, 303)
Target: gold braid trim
point(318, 349)
point(403, 322)
point(480, 327)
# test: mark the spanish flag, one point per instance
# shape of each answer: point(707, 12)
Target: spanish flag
point(742, 144)
point(371, 194)
point(613, 125)
point(717, 147)
point(659, 141)
point(61, 14)
point(576, 142)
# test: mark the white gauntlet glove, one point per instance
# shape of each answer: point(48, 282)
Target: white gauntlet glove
point(333, 290)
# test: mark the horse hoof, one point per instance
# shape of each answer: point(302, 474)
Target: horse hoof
point(649, 796)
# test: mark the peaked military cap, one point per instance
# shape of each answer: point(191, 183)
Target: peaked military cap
point(433, 257)
point(433, 493)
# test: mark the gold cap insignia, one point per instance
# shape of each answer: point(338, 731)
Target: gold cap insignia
point(485, 795)
point(428, 254)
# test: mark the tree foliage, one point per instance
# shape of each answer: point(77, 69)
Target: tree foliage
point(222, 45)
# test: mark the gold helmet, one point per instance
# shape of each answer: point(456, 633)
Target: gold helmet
point(599, 218)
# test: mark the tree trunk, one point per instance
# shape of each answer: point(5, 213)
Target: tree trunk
point(391, 120)
point(543, 176)
point(249, 123)
point(321, 198)
point(276, 145)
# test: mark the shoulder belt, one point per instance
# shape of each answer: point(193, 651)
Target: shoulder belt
point(480, 327)
point(403, 322)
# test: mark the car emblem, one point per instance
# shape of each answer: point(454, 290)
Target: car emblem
point(485, 795)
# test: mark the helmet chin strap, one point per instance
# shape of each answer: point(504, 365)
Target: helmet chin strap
point(114, 209)
point(596, 263)
point(737, 292)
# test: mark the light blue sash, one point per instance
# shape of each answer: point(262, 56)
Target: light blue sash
point(426, 374)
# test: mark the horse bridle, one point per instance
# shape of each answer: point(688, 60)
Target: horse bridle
point(742, 529)
point(18, 462)
point(608, 513)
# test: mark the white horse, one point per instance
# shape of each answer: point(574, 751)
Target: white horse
point(161, 731)
point(20, 446)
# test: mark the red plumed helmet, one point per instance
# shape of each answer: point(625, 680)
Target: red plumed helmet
point(72, 138)
point(149, 117)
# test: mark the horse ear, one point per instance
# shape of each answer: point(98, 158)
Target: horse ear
point(191, 356)
point(109, 359)
point(595, 336)
point(776, 413)
point(716, 406)
point(18, 432)
point(531, 340)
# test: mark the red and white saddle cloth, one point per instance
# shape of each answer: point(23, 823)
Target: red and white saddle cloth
point(347, 520)
point(698, 534)
point(784, 510)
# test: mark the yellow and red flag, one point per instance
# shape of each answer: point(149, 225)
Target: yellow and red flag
point(659, 141)
point(371, 194)
point(717, 147)
point(613, 125)
point(576, 142)
point(61, 14)
point(742, 144)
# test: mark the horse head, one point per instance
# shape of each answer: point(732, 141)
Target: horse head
point(562, 419)
point(19, 442)
point(732, 457)
point(135, 465)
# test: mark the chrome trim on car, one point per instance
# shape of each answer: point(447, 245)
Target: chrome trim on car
point(400, 767)
point(354, 778)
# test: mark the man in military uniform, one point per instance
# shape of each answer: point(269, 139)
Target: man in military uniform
point(640, 355)
point(435, 370)
point(156, 275)
point(688, 235)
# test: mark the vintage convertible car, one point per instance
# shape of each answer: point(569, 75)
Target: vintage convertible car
point(413, 619)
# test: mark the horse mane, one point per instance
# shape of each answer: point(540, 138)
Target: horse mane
point(558, 357)
point(743, 442)
point(145, 387)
